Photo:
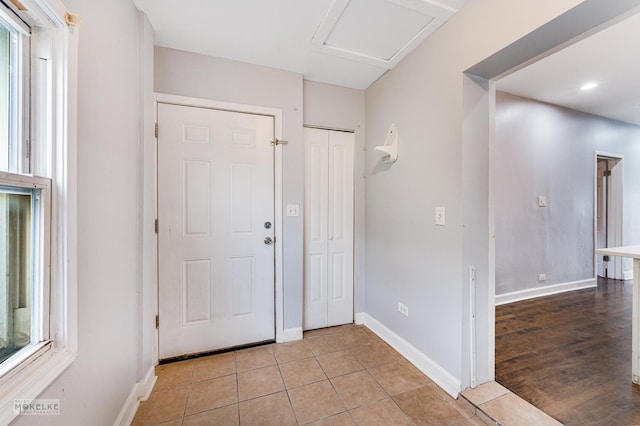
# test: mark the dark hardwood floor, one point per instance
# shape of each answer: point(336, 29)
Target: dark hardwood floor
point(570, 354)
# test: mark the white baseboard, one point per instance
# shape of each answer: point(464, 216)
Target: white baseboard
point(291, 334)
point(359, 318)
point(548, 290)
point(146, 386)
point(140, 392)
point(425, 364)
point(627, 275)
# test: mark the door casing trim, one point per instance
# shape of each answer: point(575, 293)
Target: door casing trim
point(276, 113)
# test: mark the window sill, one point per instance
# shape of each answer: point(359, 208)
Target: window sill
point(14, 364)
point(32, 379)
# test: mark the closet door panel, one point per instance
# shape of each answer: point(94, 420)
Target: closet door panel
point(315, 214)
point(328, 222)
point(340, 224)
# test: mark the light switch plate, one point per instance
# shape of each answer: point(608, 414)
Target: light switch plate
point(440, 216)
point(293, 210)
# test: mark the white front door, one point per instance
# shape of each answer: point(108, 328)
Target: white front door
point(216, 229)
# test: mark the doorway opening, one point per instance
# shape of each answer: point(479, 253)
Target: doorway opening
point(478, 154)
point(608, 213)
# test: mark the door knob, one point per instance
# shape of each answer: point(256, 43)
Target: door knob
point(268, 241)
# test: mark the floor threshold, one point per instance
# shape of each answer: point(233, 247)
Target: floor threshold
point(496, 405)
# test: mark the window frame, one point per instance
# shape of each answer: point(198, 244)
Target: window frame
point(19, 124)
point(53, 113)
point(40, 267)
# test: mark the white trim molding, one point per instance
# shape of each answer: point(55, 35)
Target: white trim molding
point(627, 275)
point(140, 392)
point(291, 334)
point(146, 385)
point(434, 371)
point(532, 293)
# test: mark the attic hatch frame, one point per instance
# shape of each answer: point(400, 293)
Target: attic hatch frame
point(478, 148)
point(438, 12)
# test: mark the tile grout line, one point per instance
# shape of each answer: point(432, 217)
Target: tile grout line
point(315, 357)
point(367, 370)
point(235, 368)
point(478, 408)
point(186, 403)
point(286, 390)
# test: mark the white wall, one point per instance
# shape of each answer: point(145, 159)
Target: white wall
point(341, 108)
point(189, 74)
point(94, 388)
point(409, 259)
point(544, 150)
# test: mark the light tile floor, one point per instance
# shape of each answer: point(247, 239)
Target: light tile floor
point(336, 376)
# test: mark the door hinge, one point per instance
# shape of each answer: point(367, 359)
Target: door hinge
point(157, 321)
point(156, 130)
point(157, 226)
point(605, 258)
point(606, 173)
point(276, 141)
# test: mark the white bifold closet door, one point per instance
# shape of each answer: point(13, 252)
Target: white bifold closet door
point(328, 221)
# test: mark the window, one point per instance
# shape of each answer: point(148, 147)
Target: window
point(14, 54)
point(16, 260)
point(37, 198)
point(24, 220)
point(23, 224)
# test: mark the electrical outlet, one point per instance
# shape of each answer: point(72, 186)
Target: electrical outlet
point(542, 277)
point(542, 201)
point(403, 309)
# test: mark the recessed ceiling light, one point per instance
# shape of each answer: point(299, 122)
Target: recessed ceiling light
point(589, 86)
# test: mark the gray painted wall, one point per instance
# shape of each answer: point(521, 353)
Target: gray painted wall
point(546, 150)
point(189, 74)
point(337, 107)
point(409, 259)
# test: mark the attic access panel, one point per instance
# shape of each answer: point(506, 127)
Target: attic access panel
point(378, 32)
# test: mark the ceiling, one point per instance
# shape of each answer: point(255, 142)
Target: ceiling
point(352, 43)
point(348, 43)
point(610, 58)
